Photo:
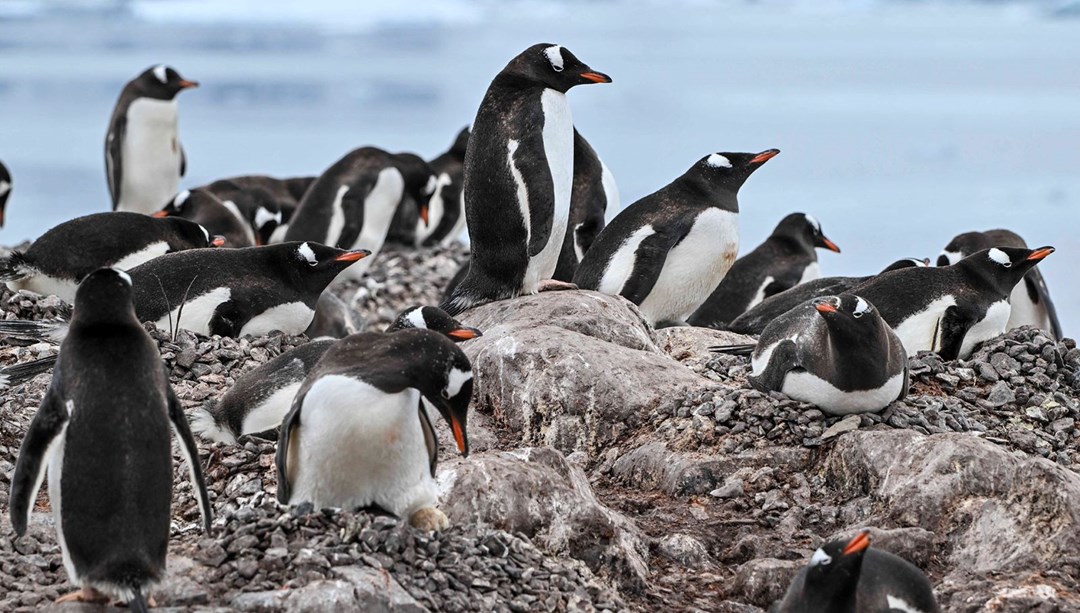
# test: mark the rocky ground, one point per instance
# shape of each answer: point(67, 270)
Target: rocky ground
point(617, 467)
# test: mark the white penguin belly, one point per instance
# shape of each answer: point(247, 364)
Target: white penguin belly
point(290, 318)
point(268, 414)
point(436, 210)
point(151, 156)
point(922, 331)
point(694, 267)
point(558, 137)
point(990, 326)
point(197, 312)
point(759, 295)
point(278, 235)
point(46, 286)
point(621, 264)
point(811, 272)
point(360, 446)
point(142, 256)
point(459, 225)
point(808, 387)
point(379, 208)
point(1025, 312)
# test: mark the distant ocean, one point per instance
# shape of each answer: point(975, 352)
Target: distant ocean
point(901, 124)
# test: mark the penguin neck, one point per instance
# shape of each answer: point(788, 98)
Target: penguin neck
point(984, 277)
point(718, 194)
point(793, 244)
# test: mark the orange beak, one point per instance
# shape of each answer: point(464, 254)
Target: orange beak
point(831, 246)
point(160, 214)
point(464, 334)
point(353, 256)
point(424, 215)
point(217, 241)
point(596, 77)
point(825, 307)
point(185, 84)
point(764, 156)
point(459, 436)
point(857, 544)
point(1040, 253)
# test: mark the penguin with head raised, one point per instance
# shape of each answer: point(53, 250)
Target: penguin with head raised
point(57, 261)
point(786, 259)
point(849, 576)
point(445, 211)
point(834, 352)
point(205, 209)
point(143, 156)
point(1030, 301)
point(5, 191)
point(352, 204)
point(519, 176)
point(669, 250)
point(103, 432)
point(357, 435)
point(260, 398)
point(593, 194)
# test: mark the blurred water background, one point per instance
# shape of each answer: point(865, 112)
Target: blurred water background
point(901, 123)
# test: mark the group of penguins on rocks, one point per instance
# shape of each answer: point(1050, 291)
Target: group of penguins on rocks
point(352, 411)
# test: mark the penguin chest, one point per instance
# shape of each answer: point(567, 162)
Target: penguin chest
point(921, 331)
point(290, 318)
point(558, 139)
point(1025, 312)
point(811, 272)
point(990, 326)
point(694, 267)
point(151, 156)
point(360, 446)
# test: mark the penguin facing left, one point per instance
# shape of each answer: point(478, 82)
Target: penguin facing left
point(357, 435)
point(205, 209)
point(143, 156)
point(5, 191)
point(786, 259)
point(519, 173)
point(834, 352)
point(850, 576)
point(110, 479)
point(593, 194)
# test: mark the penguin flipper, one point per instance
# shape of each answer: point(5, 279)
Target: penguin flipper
point(114, 165)
point(284, 446)
point(430, 440)
point(352, 205)
point(48, 424)
point(649, 262)
point(1036, 288)
point(907, 383)
point(953, 327)
point(227, 320)
point(183, 161)
point(191, 454)
point(784, 358)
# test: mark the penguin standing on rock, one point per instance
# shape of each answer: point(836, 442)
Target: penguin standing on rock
point(357, 435)
point(103, 433)
point(850, 577)
point(519, 171)
point(593, 194)
point(786, 259)
point(5, 190)
point(143, 156)
point(205, 209)
point(668, 251)
point(834, 352)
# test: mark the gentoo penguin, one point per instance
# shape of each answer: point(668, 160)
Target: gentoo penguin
point(849, 576)
point(333, 318)
point(786, 259)
point(1030, 300)
point(352, 204)
point(5, 190)
point(357, 435)
point(519, 174)
point(143, 156)
point(950, 310)
point(266, 203)
point(593, 194)
point(445, 211)
point(260, 398)
point(103, 432)
point(56, 263)
point(205, 209)
point(834, 352)
point(668, 251)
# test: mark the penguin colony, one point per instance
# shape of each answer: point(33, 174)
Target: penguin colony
point(353, 412)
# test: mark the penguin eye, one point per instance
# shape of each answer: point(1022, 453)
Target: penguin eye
point(1007, 264)
point(856, 314)
point(445, 394)
point(825, 561)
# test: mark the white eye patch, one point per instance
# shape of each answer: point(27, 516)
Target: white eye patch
point(455, 380)
point(416, 318)
point(810, 219)
point(1000, 257)
point(820, 558)
point(123, 275)
point(430, 188)
point(861, 307)
point(159, 72)
point(181, 198)
point(554, 55)
point(263, 217)
point(718, 161)
point(305, 252)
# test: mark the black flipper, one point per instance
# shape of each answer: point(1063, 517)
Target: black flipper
point(191, 454)
point(284, 445)
point(784, 358)
point(907, 382)
point(429, 438)
point(183, 162)
point(530, 161)
point(746, 349)
point(20, 373)
point(953, 327)
point(352, 204)
point(47, 425)
point(649, 261)
point(227, 320)
point(114, 144)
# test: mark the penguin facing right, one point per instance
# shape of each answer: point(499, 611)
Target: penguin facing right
point(143, 156)
point(205, 209)
point(669, 250)
point(593, 194)
point(445, 211)
point(5, 191)
point(852, 577)
point(103, 432)
point(1030, 300)
point(835, 352)
point(786, 259)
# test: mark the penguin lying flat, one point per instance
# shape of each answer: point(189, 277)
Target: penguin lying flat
point(358, 437)
point(143, 157)
point(1030, 300)
point(333, 318)
point(56, 263)
point(352, 204)
point(205, 209)
point(266, 204)
point(445, 211)
point(5, 191)
point(103, 432)
point(519, 174)
point(850, 577)
point(668, 251)
point(754, 320)
point(594, 192)
point(260, 398)
point(784, 260)
point(834, 352)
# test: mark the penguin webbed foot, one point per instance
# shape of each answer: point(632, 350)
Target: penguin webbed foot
point(551, 285)
point(429, 519)
point(85, 594)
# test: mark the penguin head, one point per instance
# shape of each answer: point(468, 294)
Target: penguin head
point(449, 389)
point(194, 235)
point(105, 295)
point(833, 574)
point(314, 264)
point(5, 190)
point(552, 66)
point(420, 180)
point(461, 143)
point(907, 263)
point(1004, 267)
point(805, 230)
point(730, 170)
point(267, 216)
point(963, 245)
point(433, 318)
point(161, 82)
point(849, 316)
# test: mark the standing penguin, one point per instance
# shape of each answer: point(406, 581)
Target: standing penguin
point(357, 434)
point(143, 156)
point(835, 352)
point(593, 194)
point(352, 204)
point(5, 190)
point(1030, 300)
point(786, 259)
point(668, 251)
point(850, 577)
point(103, 432)
point(519, 171)
point(205, 209)
point(446, 212)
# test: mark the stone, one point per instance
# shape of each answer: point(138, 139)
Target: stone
point(847, 424)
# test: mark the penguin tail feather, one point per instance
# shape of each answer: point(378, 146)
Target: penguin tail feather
point(746, 349)
point(20, 373)
point(137, 604)
point(205, 424)
point(13, 267)
point(51, 331)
